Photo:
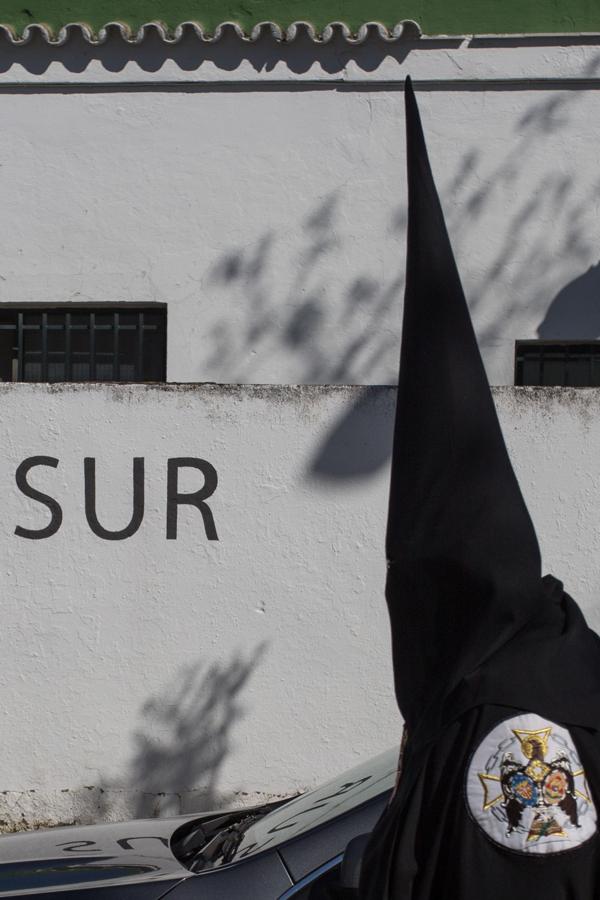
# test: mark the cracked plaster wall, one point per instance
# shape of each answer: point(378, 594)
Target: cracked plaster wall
point(148, 676)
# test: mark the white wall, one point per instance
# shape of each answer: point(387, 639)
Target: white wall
point(256, 663)
point(259, 191)
point(264, 200)
point(219, 671)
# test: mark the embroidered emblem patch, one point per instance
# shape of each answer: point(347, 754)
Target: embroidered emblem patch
point(527, 790)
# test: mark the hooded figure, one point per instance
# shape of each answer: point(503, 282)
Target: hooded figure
point(496, 673)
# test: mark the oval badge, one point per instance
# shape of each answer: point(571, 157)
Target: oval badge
point(527, 790)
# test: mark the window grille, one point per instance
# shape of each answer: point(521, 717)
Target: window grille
point(83, 344)
point(562, 363)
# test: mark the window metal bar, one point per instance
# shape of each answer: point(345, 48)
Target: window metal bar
point(543, 371)
point(518, 374)
point(20, 346)
point(61, 321)
point(116, 346)
point(68, 365)
point(92, 327)
point(163, 353)
point(44, 346)
point(574, 363)
point(140, 348)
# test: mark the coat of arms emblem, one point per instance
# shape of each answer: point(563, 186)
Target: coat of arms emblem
point(527, 789)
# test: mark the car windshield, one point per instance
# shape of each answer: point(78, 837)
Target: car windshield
point(246, 832)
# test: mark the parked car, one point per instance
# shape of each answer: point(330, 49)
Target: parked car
point(290, 849)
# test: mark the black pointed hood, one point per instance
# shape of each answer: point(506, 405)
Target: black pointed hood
point(464, 564)
point(478, 636)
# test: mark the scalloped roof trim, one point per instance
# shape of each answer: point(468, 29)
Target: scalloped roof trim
point(404, 29)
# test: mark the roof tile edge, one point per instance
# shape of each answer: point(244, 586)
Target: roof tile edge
point(406, 29)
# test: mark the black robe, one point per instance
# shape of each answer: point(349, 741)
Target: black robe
point(497, 674)
point(427, 844)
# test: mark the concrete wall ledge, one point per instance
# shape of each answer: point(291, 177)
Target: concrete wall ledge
point(441, 63)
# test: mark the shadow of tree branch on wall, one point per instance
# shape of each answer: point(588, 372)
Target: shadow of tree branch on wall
point(329, 342)
point(328, 313)
point(524, 262)
point(539, 205)
point(182, 742)
point(338, 332)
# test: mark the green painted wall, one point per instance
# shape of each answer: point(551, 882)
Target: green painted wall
point(434, 16)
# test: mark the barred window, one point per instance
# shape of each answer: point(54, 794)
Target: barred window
point(83, 344)
point(562, 363)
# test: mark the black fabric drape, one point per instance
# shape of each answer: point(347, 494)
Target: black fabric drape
point(464, 564)
point(426, 847)
point(477, 634)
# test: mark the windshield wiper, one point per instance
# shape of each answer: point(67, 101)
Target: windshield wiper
point(224, 844)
